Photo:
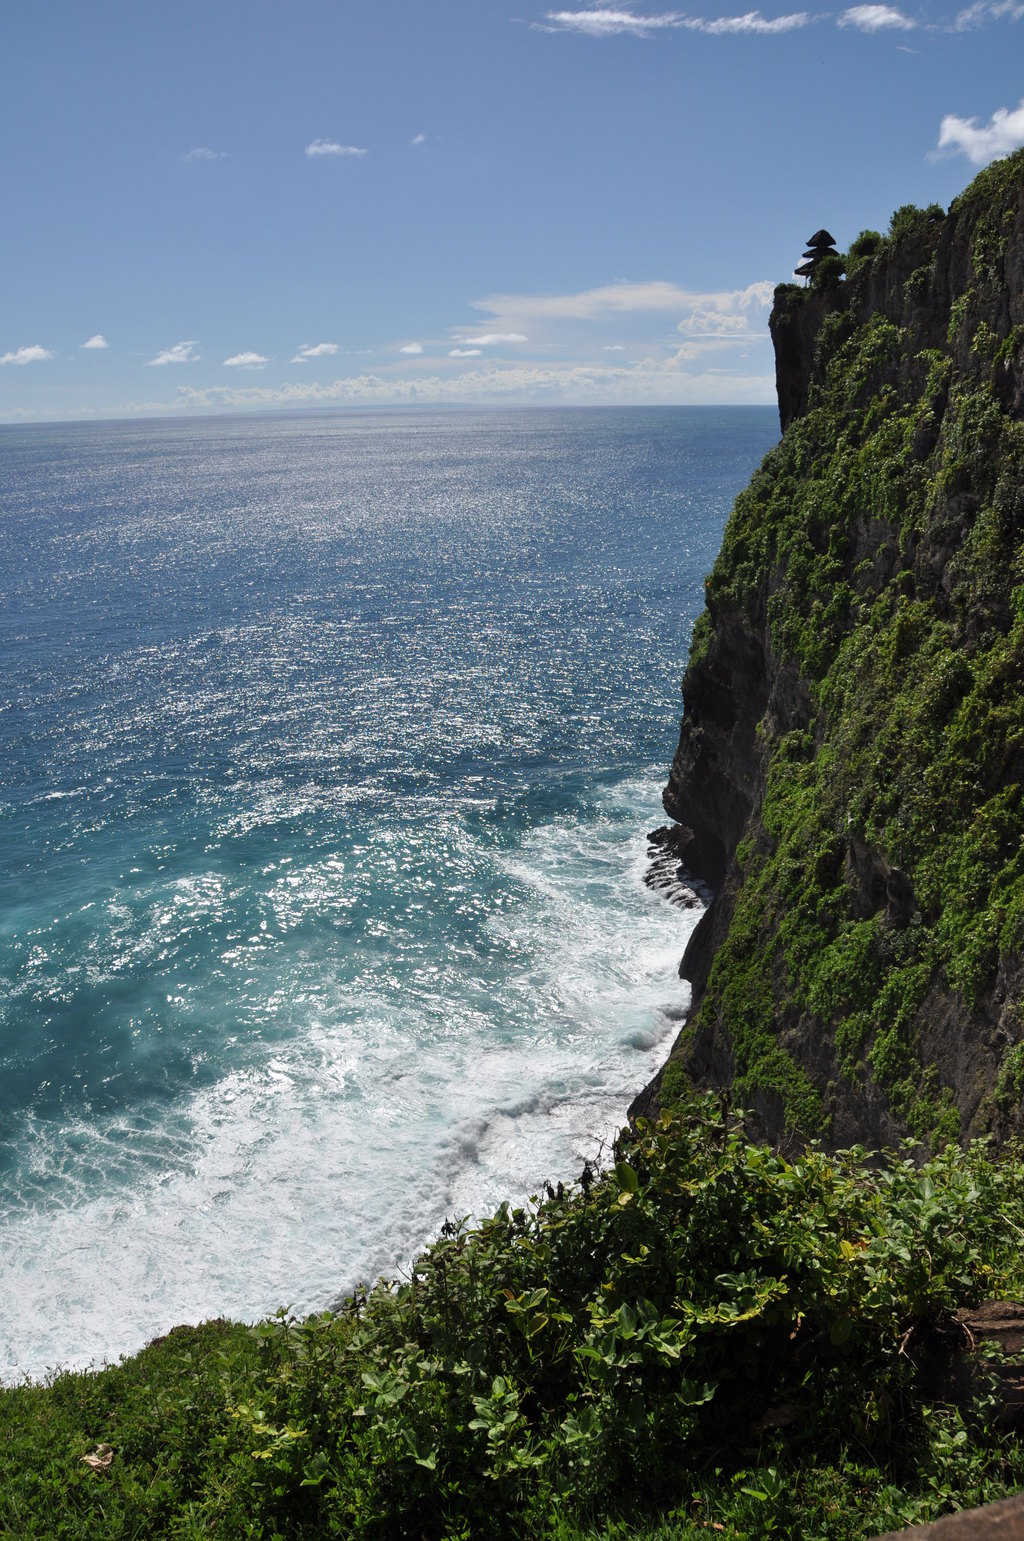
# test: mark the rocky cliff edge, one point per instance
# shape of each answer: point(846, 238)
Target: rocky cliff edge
point(851, 757)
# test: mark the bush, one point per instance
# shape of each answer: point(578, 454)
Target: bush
point(707, 1330)
point(865, 245)
point(909, 221)
point(828, 272)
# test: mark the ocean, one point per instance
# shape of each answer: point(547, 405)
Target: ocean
point(328, 748)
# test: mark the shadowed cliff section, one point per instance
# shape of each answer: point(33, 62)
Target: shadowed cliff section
point(851, 756)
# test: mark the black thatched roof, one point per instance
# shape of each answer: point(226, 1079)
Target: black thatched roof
point(804, 270)
point(819, 241)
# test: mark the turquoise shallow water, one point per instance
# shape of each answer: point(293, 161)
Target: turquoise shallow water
point(328, 746)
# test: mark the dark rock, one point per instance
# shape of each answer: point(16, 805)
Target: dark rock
point(667, 872)
point(1003, 1521)
point(979, 1349)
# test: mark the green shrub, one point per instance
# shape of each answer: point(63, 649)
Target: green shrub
point(828, 272)
point(707, 1332)
point(865, 245)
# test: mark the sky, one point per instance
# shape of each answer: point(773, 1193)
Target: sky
point(217, 207)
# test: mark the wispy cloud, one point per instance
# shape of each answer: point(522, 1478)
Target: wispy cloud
point(988, 10)
point(621, 299)
point(962, 136)
point(245, 361)
point(418, 139)
point(412, 348)
point(204, 153)
point(465, 352)
point(604, 21)
point(35, 354)
point(314, 350)
point(181, 353)
point(331, 147)
point(610, 20)
point(97, 341)
point(752, 22)
point(492, 339)
point(876, 18)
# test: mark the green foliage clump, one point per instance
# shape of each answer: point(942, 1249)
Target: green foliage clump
point(865, 245)
point(709, 1333)
point(917, 286)
point(828, 272)
point(909, 222)
point(988, 205)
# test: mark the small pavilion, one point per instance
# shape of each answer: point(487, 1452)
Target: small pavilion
point(821, 244)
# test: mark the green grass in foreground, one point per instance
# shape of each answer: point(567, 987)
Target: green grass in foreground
point(708, 1336)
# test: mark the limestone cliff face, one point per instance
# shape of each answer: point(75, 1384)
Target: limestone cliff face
point(851, 756)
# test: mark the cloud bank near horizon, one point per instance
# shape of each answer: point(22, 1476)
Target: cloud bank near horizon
point(663, 380)
point(678, 344)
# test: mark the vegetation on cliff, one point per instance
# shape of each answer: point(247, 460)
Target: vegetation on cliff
point(866, 976)
point(708, 1338)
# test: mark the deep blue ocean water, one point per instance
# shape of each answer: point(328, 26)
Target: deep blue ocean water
point(328, 746)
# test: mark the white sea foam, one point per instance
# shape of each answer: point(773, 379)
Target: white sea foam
point(332, 1150)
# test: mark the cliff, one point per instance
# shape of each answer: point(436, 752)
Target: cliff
point(851, 756)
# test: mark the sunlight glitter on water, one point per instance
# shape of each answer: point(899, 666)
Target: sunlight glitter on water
point(329, 745)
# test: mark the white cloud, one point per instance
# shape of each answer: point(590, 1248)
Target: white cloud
point(412, 347)
point(316, 350)
point(876, 18)
point(621, 299)
point(490, 339)
point(98, 341)
point(465, 352)
point(704, 321)
point(245, 361)
point(988, 10)
point(418, 139)
point(603, 21)
point(205, 154)
point(181, 353)
point(664, 380)
point(329, 147)
point(752, 23)
point(962, 136)
point(613, 347)
point(35, 354)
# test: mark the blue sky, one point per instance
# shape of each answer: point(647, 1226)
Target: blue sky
point(236, 206)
